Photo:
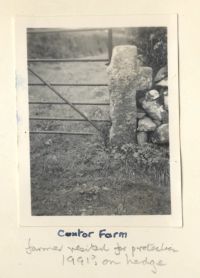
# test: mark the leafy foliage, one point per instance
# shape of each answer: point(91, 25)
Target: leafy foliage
point(149, 159)
point(152, 46)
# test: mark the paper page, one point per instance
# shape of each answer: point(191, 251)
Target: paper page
point(89, 245)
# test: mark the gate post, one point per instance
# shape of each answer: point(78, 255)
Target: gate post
point(125, 78)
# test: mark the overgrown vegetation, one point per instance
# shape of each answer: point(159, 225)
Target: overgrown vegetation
point(73, 177)
point(152, 46)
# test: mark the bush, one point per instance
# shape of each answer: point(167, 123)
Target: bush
point(152, 46)
point(149, 160)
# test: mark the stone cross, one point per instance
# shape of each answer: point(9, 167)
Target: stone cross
point(125, 77)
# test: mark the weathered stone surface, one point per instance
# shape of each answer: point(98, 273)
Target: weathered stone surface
point(152, 95)
point(154, 109)
point(166, 102)
point(158, 123)
point(142, 137)
point(146, 124)
point(163, 83)
point(144, 80)
point(125, 77)
point(161, 135)
point(166, 99)
point(165, 119)
point(122, 73)
point(140, 113)
point(161, 74)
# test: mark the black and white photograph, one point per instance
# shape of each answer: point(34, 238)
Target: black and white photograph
point(99, 120)
point(99, 140)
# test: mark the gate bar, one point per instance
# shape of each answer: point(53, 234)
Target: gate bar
point(74, 103)
point(66, 60)
point(67, 84)
point(64, 119)
point(65, 100)
point(62, 132)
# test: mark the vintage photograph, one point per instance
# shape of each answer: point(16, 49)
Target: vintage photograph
point(98, 121)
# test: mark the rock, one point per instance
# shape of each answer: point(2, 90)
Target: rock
point(161, 135)
point(158, 123)
point(125, 77)
point(146, 124)
point(144, 80)
point(161, 74)
point(140, 113)
point(165, 117)
point(166, 102)
point(142, 137)
point(163, 83)
point(152, 95)
point(165, 99)
point(154, 109)
point(122, 74)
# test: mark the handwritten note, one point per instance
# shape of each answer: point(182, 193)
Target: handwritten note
point(148, 255)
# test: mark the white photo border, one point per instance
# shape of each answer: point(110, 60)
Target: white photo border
point(80, 22)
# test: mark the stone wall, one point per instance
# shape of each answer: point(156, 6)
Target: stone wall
point(138, 113)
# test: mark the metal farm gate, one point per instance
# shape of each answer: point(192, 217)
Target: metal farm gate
point(63, 100)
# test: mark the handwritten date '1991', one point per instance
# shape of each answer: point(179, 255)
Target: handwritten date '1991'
point(89, 260)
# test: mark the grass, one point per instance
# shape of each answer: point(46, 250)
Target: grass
point(84, 178)
point(77, 175)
